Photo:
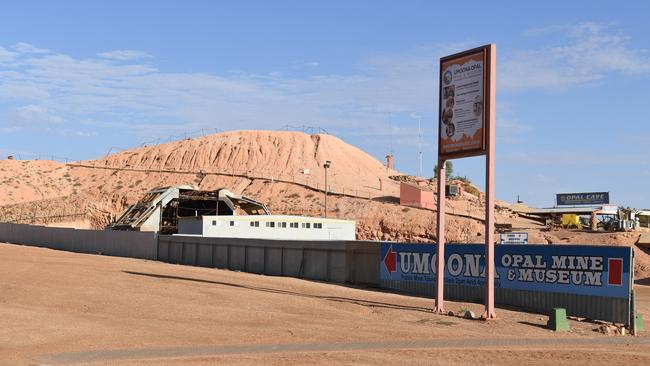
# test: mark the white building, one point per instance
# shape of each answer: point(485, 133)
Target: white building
point(268, 227)
point(185, 210)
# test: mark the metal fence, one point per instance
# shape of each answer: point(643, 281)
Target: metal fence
point(298, 178)
point(331, 261)
point(356, 262)
point(115, 243)
point(602, 291)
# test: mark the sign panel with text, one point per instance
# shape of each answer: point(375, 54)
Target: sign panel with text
point(573, 269)
point(590, 198)
point(520, 238)
point(464, 96)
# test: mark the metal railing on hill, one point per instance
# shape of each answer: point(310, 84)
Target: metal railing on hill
point(303, 181)
point(298, 179)
point(21, 156)
point(43, 212)
point(303, 128)
point(181, 136)
point(190, 134)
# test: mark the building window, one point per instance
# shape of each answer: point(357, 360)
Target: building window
point(232, 223)
point(214, 222)
point(257, 224)
point(307, 225)
point(282, 224)
point(318, 225)
point(270, 224)
point(252, 223)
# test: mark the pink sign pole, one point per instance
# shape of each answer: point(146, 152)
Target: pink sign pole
point(440, 251)
point(489, 186)
point(467, 128)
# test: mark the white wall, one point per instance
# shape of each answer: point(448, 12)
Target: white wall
point(283, 227)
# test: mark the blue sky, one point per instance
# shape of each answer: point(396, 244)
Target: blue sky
point(78, 78)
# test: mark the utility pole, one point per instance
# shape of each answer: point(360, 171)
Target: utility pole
point(390, 128)
point(327, 165)
point(420, 142)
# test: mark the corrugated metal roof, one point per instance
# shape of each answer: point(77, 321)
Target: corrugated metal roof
point(608, 210)
point(427, 187)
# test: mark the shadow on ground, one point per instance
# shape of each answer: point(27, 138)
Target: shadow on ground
point(643, 281)
point(387, 199)
point(360, 302)
point(542, 326)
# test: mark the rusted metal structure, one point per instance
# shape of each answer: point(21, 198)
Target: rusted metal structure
point(160, 208)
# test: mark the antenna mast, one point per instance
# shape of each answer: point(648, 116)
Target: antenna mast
point(420, 142)
point(390, 127)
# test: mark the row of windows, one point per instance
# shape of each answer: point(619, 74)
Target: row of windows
point(305, 225)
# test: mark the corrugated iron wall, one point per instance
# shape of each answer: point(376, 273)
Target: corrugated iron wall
point(592, 307)
point(333, 261)
point(129, 244)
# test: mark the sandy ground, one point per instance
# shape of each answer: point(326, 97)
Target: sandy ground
point(66, 308)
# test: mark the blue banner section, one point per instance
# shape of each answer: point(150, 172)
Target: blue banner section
point(576, 269)
point(591, 198)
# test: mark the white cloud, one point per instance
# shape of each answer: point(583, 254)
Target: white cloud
point(592, 52)
point(52, 88)
point(124, 55)
point(568, 157)
point(8, 129)
point(22, 47)
point(130, 94)
point(6, 55)
point(85, 134)
point(510, 129)
point(22, 91)
point(34, 115)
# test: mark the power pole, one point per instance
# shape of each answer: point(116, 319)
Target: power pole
point(390, 128)
point(327, 165)
point(420, 142)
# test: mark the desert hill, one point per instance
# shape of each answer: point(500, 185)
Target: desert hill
point(283, 169)
point(272, 154)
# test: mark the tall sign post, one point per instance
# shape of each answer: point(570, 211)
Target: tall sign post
point(466, 128)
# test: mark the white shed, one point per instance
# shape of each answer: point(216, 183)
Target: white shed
point(268, 227)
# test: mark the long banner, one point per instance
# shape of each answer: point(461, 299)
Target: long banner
point(576, 269)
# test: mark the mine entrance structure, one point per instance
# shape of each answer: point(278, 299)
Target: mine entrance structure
point(605, 217)
point(160, 209)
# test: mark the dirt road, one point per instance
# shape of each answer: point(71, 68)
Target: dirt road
point(66, 308)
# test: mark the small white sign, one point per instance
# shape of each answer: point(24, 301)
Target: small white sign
point(514, 238)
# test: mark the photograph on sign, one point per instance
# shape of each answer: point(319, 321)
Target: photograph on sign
point(463, 80)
